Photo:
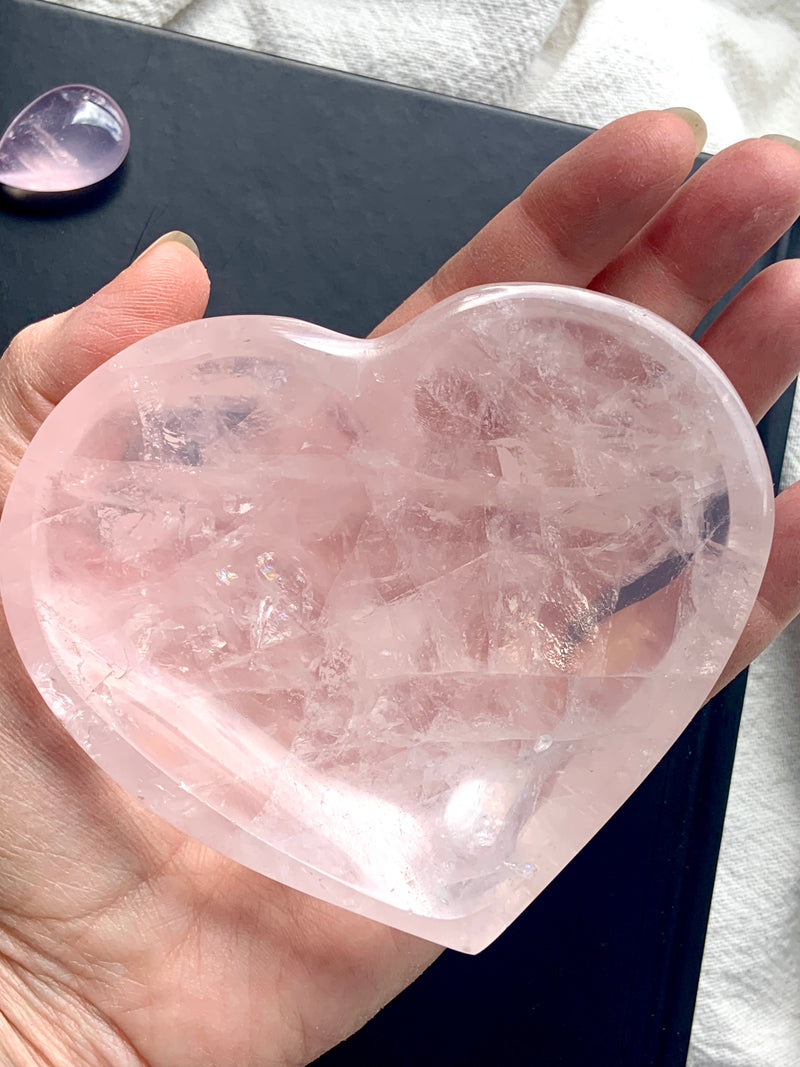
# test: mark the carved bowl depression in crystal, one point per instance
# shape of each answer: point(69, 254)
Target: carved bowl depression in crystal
point(398, 622)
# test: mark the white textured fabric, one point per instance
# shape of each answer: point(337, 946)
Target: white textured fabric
point(588, 61)
point(737, 62)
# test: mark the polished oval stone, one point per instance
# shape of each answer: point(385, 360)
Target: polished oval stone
point(399, 622)
point(68, 138)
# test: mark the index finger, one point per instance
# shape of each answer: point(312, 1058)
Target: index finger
point(577, 215)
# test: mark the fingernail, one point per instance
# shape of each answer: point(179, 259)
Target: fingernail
point(694, 122)
point(179, 237)
point(783, 139)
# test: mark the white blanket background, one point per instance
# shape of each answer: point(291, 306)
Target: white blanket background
point(737, 62)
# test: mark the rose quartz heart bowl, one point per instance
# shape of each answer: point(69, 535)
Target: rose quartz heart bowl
point(400, 622)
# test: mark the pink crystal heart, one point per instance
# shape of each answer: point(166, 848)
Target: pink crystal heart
point(398, 622)
point(68, 138)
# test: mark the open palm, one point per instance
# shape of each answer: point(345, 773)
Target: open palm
point(124, 942)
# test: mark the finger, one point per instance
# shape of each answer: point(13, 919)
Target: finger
point(779, 597)
point(756, 340)
point(712, 230)
point(167, 285)
point(576, 215)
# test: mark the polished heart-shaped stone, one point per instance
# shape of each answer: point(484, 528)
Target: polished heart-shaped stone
point(399, 622)
point(66, 139)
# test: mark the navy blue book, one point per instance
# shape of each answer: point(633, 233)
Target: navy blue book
point(329, 197)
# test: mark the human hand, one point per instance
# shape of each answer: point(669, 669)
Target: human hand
point(122, 941)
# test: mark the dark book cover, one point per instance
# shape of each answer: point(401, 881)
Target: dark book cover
point(329, 197)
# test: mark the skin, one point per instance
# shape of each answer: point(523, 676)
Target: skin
point(123, 942)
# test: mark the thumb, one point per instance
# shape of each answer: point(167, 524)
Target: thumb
point(165, 286)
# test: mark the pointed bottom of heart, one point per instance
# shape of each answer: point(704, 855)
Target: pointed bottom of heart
point(400, 623)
